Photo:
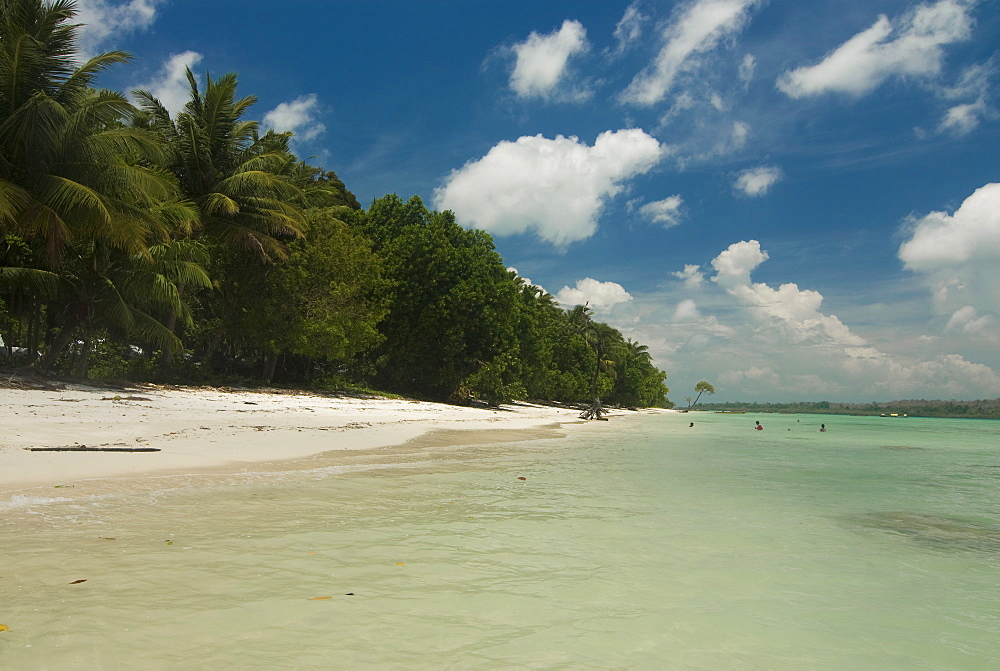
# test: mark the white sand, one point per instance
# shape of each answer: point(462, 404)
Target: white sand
point(213, 430)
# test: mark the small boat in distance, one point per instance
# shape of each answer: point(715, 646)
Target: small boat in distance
point(892, 414)
point(730, 412)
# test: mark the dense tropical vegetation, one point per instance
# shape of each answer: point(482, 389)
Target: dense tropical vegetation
point(193, 247)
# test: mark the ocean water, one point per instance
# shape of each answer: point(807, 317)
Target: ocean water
point(639, 543)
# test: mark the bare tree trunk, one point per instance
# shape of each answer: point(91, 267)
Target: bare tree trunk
point(270, 363)
point(213, 345)
point(167, 354)
point(34, 327)
point(596, 409)
point(82, 365)
point(57, 345)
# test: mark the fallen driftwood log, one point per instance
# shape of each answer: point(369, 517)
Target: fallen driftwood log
point(84, 448)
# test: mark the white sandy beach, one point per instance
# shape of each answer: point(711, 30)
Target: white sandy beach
point(200, 430)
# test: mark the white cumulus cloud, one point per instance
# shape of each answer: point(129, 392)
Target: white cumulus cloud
point(734, 265)
point(963, 119)
point(968, 320)
point(757, 181)
point(170, 86)
point(971, 234)
point(757, 341)
point(555, 188)
point(687, 311)
point(698, 29)
point(666, 211)
point(788, 310)
point(911, 46)
point(691, 275)
point(103, 19)
point(598, 295)
point(958, 255)
point(298, 116)
point(541, 61)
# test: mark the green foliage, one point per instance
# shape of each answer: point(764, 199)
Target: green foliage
point(69, 169)
point(495, 382)
point(702, 388)
point(324, 303)
point(235, 178)
point(138, 244)
point(320, 188)
point(452, 305)
point(639, 384)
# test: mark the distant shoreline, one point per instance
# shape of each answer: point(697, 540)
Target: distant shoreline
point(978, 409)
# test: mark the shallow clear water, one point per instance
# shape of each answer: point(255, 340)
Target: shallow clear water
point(639, 543)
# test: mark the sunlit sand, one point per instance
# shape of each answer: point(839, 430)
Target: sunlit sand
point(225, 431)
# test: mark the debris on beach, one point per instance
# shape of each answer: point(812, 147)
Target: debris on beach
point(77, 582)
point(84, 448)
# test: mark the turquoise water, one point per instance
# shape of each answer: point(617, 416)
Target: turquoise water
point(640, 543)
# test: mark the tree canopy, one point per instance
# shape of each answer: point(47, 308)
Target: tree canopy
point(190, 247)
point(702, 388)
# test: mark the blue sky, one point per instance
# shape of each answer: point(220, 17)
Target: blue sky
point(790, 199)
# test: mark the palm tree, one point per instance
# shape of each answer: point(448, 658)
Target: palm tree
point(241, 183)
point(102, 290)
point(639, 352)
point(69, 169)
point(605, 341)
point(702, 388)
point(232, 175)
point(75, 181)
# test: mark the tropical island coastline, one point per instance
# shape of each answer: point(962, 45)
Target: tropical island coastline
point(977, 409)
point(215, 431)
point(145, 265)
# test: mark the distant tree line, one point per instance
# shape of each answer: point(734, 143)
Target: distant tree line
point(193, 247)
point(981, 409)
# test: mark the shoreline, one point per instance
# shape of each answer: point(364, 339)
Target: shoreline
point(210, 431)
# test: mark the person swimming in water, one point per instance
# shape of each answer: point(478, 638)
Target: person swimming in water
point(758, 426)
point(822, 427)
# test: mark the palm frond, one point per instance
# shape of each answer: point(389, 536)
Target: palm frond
point(13, 199)
point(219, 205)
point(83, 77)
point(31, 281)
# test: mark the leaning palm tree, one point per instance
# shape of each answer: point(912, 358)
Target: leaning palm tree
point(702, 388)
